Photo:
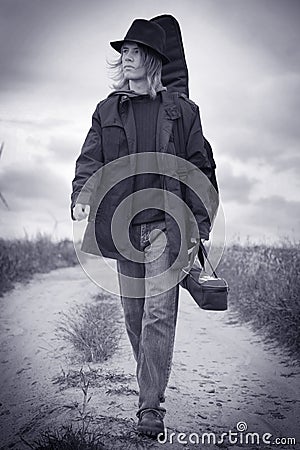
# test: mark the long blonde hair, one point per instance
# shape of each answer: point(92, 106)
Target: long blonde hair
point(153, 66)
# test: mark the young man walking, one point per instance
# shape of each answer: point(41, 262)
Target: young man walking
point(140, 118)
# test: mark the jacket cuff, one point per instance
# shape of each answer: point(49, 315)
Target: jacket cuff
point(83, 197)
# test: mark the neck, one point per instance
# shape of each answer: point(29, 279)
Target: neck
point(139, 86)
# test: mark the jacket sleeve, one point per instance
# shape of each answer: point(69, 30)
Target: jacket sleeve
point(88, 162)
point(197, 154)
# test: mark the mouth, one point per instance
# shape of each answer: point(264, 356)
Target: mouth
point(128, 67)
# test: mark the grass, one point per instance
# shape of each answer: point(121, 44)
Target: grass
point(20, 259)
point(122, 390)
point(117, 433)
point(70, 437)
point(93, 328)
point(120, 435)
point(67, 438)
point(96, 378)
point(92, 433)
point(265, 290)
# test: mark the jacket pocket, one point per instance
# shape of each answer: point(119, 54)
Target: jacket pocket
point(112, 137)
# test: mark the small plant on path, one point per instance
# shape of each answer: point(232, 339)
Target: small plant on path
point(94, 328)
point(68, 437)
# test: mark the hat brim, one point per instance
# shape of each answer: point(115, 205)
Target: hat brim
point(117, 45)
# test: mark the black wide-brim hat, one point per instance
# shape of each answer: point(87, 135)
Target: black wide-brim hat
point(148, 33)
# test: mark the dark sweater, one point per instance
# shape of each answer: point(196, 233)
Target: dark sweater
point(145, 113)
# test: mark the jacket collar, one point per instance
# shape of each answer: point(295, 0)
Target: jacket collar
point(168, 102)
point(168, 112)
point(127, 94)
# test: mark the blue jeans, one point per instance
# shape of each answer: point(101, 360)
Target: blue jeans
point(150, 317)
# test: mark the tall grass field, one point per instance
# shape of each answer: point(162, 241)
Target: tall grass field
point(264, 280)
point(265, 290)
point(20, 259)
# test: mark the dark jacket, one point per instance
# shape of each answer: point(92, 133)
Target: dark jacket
point(113, 136)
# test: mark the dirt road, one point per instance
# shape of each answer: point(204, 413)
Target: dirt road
point(222, 374)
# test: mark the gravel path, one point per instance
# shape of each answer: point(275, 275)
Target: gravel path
point(222, 374)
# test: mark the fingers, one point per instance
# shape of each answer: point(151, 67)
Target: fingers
point(197, 240)
point(80, 211)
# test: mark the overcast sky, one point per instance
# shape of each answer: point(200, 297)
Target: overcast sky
point(243, 58)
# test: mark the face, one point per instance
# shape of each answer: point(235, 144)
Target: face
point(132, 62)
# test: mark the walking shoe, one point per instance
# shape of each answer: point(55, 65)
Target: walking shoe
point(150, 422)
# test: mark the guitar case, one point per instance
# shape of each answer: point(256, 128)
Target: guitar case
point(175, 74)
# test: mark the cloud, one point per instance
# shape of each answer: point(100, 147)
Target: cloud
point(259, 146)
point(247, 78)
point(47, 123)
point(22, 223)
point(54, 46)
point(277, 215)
point(26, 188)
point(21, 25)
point(64, 149)
point(258, 119)
point(236, 188)
point(276, 207)
point(39, 201)
point(267, 220)
point(268, 29)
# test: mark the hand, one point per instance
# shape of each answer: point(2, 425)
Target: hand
point(197, 240)
point(80, 211)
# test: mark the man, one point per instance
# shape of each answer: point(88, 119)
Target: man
point(140, 119)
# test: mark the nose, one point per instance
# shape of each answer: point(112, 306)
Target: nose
point(128, 56)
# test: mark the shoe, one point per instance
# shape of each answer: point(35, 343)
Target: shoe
point(150, 422)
